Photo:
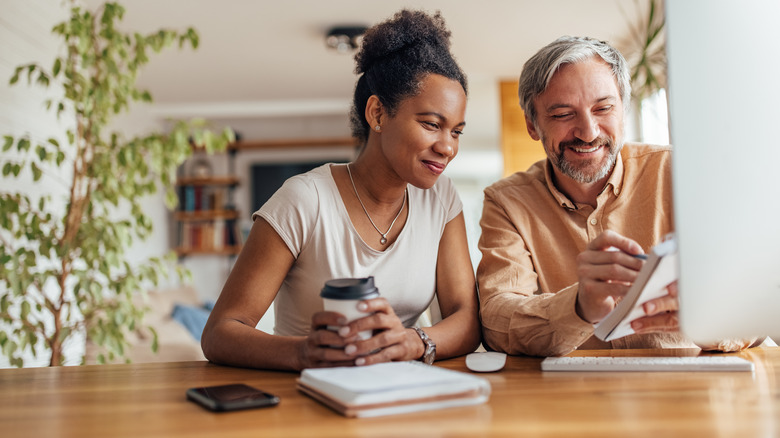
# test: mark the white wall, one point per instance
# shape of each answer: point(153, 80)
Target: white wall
point(25, 32)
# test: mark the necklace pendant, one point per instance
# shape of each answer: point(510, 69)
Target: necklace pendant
point(382, 240)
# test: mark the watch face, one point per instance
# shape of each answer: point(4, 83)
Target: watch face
point(430, 352)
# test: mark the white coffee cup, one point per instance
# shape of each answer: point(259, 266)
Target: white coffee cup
point(342, 295)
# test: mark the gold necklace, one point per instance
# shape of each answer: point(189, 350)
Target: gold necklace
point(382, 240)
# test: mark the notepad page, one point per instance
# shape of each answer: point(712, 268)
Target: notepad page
point(383, 376)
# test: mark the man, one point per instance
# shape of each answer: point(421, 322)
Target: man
point(558, 240)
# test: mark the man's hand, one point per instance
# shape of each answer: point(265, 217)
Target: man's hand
point(606, 270)
point(661, 314)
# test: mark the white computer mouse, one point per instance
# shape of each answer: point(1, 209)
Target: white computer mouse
point(485, 362)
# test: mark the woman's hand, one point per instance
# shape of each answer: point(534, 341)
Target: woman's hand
point(324, 347)
point(390, 340)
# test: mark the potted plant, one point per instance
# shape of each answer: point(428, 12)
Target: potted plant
point(63, 268)
point(647, 53)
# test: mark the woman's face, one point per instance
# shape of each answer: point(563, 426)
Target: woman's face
point(421, 138)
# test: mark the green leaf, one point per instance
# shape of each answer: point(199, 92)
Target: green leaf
point(43, 79)
point(194, 38)
point(155, 339)
point(23, 145)
point(55, 70)
point(10, 348)
point(9, 141)
point(36, 171)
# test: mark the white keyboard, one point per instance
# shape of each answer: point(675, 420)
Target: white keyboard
point(693, 363)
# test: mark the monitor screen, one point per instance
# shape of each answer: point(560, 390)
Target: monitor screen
point(267, 178)
point(724, 108)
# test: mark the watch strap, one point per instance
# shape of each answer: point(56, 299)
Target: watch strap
point(430, 347)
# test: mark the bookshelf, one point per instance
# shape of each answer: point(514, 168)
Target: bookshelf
point(206, 220)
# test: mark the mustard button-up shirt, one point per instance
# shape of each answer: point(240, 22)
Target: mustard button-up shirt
point(531, 236)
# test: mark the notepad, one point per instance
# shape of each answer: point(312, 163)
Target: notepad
point(659, 270)
point(392, 388)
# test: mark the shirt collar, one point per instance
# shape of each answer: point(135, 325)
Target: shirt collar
point(616, 179)
point(615, 182)
point(562, 199)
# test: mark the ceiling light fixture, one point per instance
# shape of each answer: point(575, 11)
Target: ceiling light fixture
point(345, 38)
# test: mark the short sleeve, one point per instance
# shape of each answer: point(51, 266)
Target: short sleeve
point(449, 197)
point(292, 211)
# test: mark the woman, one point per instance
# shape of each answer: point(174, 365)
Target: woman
point(389, 214)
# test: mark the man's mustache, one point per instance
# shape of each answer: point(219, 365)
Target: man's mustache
point(600, 141)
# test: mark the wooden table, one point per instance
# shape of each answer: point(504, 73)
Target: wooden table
point(147, 400)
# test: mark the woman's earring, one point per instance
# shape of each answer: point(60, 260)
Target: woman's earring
point(377, 128)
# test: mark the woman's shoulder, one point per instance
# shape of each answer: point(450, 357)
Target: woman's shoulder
point(442, 196)
point(304, 189)
point(316, 176)
point(308, 184)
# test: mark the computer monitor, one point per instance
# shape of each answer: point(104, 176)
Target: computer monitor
point(724, 106)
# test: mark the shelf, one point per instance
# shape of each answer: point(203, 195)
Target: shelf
point(210, 181)
point(293, 143)
point(203, 215)
point(226, 251)
point(206, 223)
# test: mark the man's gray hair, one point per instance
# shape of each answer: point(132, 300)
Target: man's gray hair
point(539, 70)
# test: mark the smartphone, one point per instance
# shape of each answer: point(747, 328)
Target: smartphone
point(231, 397)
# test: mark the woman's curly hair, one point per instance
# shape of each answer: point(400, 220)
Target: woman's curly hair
point(394, 58)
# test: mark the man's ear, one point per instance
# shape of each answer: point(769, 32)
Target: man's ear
point(375, 111)
point(531, 128)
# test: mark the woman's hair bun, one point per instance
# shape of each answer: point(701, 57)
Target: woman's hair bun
point(404, 32)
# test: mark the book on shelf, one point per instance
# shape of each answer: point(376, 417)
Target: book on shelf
point(201, 198)
point(188, 198)
point(219, 237)
point(658, 272)
point(208, 236)
point(392, 388)
point(198, 197)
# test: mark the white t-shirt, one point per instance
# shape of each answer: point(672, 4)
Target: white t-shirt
point(309, 215)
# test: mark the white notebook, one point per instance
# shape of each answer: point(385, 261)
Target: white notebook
point(392, 388)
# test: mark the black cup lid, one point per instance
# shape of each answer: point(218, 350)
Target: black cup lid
point(349, 288)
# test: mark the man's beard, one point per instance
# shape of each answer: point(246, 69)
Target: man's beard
point(586, 171)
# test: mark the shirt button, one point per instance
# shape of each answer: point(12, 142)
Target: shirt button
point(594, 221)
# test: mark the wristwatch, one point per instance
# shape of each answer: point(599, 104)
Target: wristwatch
point(430, 347)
